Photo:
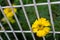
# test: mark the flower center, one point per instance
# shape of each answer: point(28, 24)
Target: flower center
point(40, 27)
point(9, 10)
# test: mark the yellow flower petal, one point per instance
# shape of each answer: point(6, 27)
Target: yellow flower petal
point(46, 29)
point(35, 24)
point(11, 20)
point(35, 30)
point(8, 12)
point(41, 33)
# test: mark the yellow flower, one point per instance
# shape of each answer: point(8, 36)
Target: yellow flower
point(8, 12)
point(40, 27)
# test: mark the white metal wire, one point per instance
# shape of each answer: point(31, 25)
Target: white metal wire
point(4, 31)
point(51, 18)
point(8, 23)
point(1, 38)
point(20, 27)
point(37, 14)
point(57, 32)
point(36, 10)
point(17, 20)
point(26, 5)
point(27, 19)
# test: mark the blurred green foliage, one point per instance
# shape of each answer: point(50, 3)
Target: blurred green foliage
point(43, 12)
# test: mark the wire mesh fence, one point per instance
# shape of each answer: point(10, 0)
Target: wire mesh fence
point(27, 14)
